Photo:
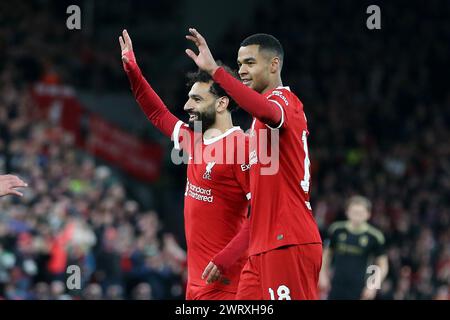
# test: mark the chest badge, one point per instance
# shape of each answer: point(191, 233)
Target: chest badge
point(207, 174)
point(363, 241)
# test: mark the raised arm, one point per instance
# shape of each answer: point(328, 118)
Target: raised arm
point(150, 103)
point(251, 101)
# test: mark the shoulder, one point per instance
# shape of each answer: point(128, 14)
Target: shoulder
point(237, 139)
point(376, 233)
point(237, 131)
point(288, 101)
point(339, 225)
point(285, 94)
point(180, 134)
point(238, 134)
point(279, 94)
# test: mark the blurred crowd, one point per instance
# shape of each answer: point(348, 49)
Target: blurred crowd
point(75, 212)
point(378, 108)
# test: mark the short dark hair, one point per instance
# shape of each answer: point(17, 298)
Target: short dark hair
point(215, 88)
point(266, 42)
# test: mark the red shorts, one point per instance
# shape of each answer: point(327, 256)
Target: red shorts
point(194, 292)
point(286, 273)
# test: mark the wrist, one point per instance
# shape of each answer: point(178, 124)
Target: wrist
point(220, 261)
point(213, 70)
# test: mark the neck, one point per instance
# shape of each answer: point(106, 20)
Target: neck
point(356, 225)
point(275, 83)
point(223, 123)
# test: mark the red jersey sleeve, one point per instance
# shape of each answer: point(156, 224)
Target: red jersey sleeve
point(234, 250)
point(251, 101)
point(182, 137)
point(150, 103)
point(281, 99)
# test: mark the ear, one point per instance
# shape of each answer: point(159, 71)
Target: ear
point(275, 65)
point(222, 104)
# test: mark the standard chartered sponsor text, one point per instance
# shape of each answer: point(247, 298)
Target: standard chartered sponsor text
point(200, 193)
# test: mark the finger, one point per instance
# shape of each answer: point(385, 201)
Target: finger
point(127, 38)
point(196, 34)
point(191, 54)
point(193, 39)
point(15, 192)
point(122, 43)
point(212, 274)
point(207, 270)
point(14, 186)
point(19, 182)
point(215, 276)
point(18, 185)
point(13, 178)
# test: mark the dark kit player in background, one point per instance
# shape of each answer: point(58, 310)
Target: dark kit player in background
point(351, 247)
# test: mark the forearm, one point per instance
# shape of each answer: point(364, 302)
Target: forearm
point(234, 250)
point(383, 264)
point(150, 103)
point(327, 252)
point(249, 100)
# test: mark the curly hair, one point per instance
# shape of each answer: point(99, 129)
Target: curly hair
point(215, 88)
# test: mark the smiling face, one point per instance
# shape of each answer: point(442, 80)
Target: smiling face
point(201, 105)
point(254, 67)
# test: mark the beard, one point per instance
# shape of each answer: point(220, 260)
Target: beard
point(204, 120)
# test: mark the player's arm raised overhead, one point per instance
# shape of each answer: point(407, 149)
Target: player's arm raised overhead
point(152, 105)
point(257, 105)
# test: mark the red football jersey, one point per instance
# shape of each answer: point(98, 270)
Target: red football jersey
point(216, 198)
point(280, 210)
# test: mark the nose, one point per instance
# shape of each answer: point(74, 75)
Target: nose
point(242, 70)
point(188, 107)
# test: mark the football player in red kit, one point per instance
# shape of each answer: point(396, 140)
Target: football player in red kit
point(217, 189)
point(285, 250)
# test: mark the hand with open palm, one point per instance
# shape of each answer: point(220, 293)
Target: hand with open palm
point(127, 49)
point(204, 59)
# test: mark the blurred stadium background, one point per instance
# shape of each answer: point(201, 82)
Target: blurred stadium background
point(103, 192)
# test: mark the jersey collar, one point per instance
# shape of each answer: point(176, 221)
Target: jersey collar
point(286, 88)
point(221, 136)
